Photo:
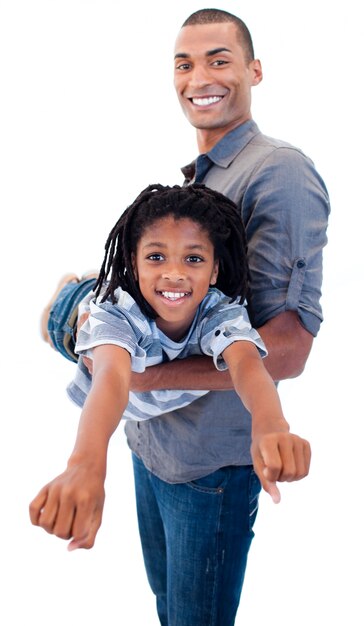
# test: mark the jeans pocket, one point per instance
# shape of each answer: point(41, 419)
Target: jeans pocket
point(212, 483)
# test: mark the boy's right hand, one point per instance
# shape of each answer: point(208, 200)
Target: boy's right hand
point(71, 506)
point(279, 457)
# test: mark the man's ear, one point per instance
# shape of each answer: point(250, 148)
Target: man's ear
point(214, 273)
point(133, 263)
point(256, 72)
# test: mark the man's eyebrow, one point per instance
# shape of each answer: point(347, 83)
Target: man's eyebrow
point(209, 53)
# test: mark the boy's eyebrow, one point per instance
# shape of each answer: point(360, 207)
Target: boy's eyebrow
point(156, 244)
point(209, 53)
point(159, 244)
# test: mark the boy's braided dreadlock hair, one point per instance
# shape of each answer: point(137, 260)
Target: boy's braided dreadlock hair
point(215, 213)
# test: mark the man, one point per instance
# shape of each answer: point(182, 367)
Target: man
point(208, 524)
point(196, 490)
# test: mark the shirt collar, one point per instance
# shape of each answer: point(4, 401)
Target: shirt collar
point(225, 151)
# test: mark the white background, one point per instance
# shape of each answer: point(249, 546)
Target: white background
point(88, 118)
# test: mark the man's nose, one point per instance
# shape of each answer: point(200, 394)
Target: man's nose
point(199, 76)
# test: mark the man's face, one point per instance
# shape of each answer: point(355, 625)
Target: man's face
point(213, 79)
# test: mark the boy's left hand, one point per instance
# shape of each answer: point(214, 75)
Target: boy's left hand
point(280, 456)
point(71, 505)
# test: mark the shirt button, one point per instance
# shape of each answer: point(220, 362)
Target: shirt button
point(217, 333)
point(300, 263)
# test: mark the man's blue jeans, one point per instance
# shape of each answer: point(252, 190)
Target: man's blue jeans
point(195, 539)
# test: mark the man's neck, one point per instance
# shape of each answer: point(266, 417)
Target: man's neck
point(207, 138)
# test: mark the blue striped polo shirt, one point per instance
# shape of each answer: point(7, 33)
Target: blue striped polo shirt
point(217, 323)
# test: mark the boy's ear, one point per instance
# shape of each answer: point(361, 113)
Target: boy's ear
point(133, 262)
point(214, 273)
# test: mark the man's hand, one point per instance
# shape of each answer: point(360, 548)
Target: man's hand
point(282, 457)
point(81, 320)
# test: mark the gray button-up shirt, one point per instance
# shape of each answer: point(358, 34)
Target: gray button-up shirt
point(285, 207)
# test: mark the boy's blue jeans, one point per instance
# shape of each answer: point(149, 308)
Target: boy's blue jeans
point(195, 540)
point(63, 316)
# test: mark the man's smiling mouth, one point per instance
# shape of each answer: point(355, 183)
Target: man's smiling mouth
point(203, 102)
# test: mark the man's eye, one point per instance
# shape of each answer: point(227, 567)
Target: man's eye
point(219, 62)
point(183, 66)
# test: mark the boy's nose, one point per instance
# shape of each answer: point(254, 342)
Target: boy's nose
point(174, 272)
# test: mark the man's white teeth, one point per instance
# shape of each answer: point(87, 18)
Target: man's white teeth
point(172, 295)
point(203, 102)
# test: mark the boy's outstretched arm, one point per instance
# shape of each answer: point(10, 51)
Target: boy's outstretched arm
point(71, 505)
point(278, 455)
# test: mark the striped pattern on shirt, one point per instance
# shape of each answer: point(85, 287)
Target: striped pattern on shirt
point(216, 325)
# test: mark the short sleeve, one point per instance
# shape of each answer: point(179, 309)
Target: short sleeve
point(285, 209)
point(109, 324)
point(226, 323)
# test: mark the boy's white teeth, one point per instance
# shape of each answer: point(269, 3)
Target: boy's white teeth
point(203, 102)
point(172, 295)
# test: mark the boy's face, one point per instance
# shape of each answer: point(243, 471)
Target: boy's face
point(175, 265)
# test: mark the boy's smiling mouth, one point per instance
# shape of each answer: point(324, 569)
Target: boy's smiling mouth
point(174, 295)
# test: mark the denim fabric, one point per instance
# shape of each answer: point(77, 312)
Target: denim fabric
point(195, 539)
point(63, 317)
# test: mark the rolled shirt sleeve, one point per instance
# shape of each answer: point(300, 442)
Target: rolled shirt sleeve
point(285, 210)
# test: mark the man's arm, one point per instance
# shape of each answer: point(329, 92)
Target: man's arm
point(288, 345)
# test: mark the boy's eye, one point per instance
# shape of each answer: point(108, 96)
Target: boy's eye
point(193, 258)
point(155, 257)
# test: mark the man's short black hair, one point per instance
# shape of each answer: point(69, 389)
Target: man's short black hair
point(217, 16)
